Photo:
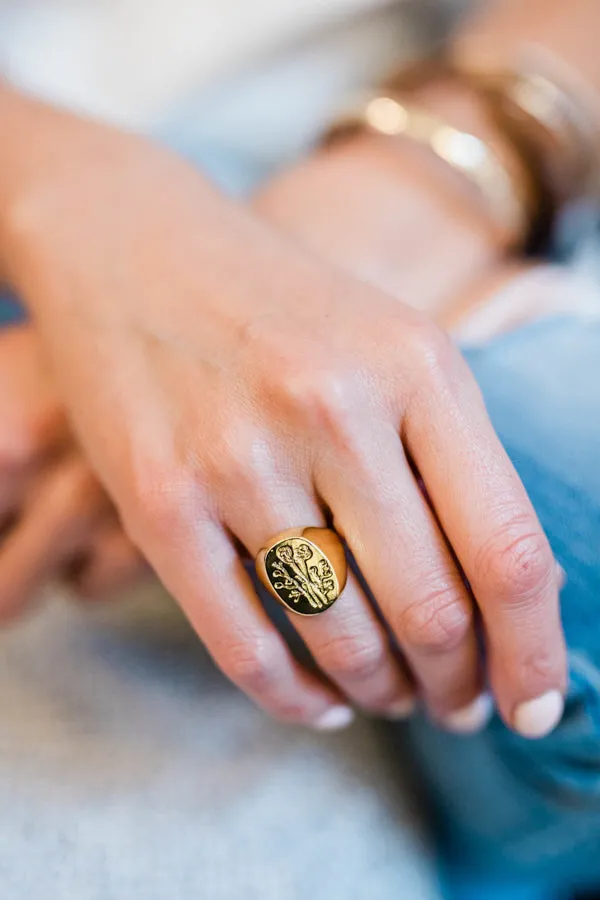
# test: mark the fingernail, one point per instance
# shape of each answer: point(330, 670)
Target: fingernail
point(403, 709)
point(537, 718)
point(471, 718)
point(561, 576)
point(335, 719)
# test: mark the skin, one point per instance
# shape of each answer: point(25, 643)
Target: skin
point(56, 521)
point(221, 403)
point(76, 538)
point(364, 171)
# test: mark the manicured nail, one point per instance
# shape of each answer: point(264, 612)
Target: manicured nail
point(561, 576)
point(471, 718)
point(537, 718)
point(403, 709)
point(335, 719)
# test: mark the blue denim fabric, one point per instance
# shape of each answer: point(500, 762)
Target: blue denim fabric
point(516, 810)
point(10, 310)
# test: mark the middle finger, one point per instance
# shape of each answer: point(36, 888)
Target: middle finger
point(348, 642)
point(406, 561)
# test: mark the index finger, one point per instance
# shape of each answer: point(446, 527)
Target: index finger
point(495, 533)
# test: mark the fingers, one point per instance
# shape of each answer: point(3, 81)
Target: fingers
point(55, 524)
point(33, 425)
point(348, 642)
point(33, 421)
point(110, 564)
point(351, 647)
point(407, 564)
point(493, 529)
point(199, 564)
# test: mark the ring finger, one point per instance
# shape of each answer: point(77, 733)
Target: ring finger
point(349, 643)
point(406, 561)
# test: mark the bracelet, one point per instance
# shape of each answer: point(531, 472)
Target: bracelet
point(547, 119)
point(544, 94)
point(506, 195)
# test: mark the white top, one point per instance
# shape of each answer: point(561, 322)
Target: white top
point(263, 74)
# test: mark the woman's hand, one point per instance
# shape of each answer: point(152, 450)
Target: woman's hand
point(56, 522)
point(227, 387)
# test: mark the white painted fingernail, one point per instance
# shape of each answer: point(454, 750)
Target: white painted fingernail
point(537, 718)
point(403, 709)
point(335, 719)
point(471, 718)
point(561, 576)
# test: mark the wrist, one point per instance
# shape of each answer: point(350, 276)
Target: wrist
point(54, 169)
point(388, 212)
point(430, 105)
point(442, 105)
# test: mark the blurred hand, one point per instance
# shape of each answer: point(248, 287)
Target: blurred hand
point(392, 214)
point(385, 211)
point(56, 522)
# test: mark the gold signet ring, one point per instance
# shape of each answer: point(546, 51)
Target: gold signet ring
point(304, 568)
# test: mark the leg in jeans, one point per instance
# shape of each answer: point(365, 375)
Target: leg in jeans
point(506, 805)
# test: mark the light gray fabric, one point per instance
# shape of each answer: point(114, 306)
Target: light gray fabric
point(130, 769)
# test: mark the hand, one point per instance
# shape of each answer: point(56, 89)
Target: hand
point(226, 386)
point(56, 522)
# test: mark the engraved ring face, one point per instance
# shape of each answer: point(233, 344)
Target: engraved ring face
point(301, 576)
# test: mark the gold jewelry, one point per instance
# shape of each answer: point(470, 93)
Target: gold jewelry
point(542, 91)
point(304, 568)
point(388, 115)
point(547, 120)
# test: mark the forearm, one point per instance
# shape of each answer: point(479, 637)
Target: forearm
point(32, 141)
point(59, 172)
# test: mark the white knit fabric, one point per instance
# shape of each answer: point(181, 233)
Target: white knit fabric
point(130, 770)
point(135, 58)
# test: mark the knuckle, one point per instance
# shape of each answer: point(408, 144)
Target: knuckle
point(349, 658)
point(319, 394)
point(239, 458)
point(254, 666)
point(516, 567)
point(538, 667)
point(433, 353)
point(437, 622)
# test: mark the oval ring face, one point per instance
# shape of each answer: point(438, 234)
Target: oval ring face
point(302, 576)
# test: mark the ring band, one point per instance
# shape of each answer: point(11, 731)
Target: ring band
point(304, 568)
